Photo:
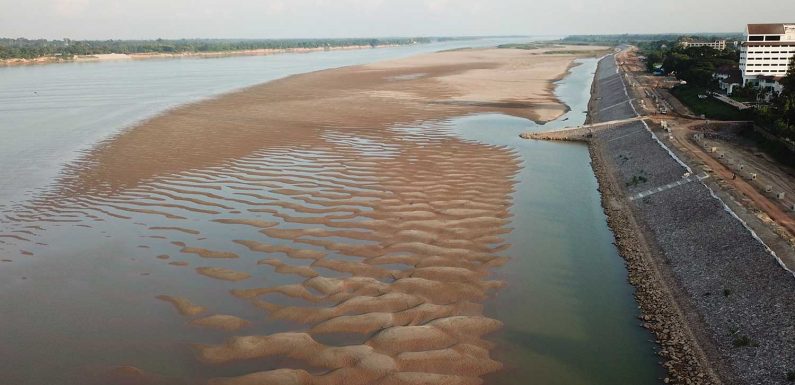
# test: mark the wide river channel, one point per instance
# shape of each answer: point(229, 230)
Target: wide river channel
point(76, 298)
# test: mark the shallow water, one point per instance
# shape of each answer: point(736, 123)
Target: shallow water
point(80, 293)
point(568, 309)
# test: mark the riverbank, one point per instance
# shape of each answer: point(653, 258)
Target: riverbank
point(717, 300)
point(182, 55)
point(684, 359)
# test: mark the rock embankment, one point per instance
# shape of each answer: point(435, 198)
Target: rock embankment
point(683, 360)
point(717, 301)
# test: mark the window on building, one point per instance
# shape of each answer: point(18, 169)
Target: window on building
point(772, 38)
point(756, 38)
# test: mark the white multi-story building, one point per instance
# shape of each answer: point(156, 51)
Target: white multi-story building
point(766, 53)
point(717, 44)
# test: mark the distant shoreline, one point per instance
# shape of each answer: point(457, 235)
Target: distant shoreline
point(181, 55)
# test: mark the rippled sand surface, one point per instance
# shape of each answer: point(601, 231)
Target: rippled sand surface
point(336, 205)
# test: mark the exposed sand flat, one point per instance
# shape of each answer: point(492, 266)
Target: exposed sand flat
point(249, 222)
point(369, 231)
point(223, 274)
point(183, 305)
point(188, 231)
point(281, 267)
point(516, 82)
point(205, 253)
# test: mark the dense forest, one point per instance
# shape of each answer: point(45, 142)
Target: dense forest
point(66, 48)
point(779, 114)
point(692, 64)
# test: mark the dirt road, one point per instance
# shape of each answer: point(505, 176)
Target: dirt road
point(773, 209)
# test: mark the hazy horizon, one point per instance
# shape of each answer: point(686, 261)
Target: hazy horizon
point(701, 33)
point(280, 19)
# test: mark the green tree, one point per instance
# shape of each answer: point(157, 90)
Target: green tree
point(787, 99)
point(653, 59)
point(789, 80)
point(780, 116)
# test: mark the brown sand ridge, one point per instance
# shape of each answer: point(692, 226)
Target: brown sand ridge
point(515, 82)
point(222, 322)
point(183, 305)
point(223, 273)
point(387, 234)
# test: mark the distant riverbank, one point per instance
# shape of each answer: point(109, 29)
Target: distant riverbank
point(162, 55)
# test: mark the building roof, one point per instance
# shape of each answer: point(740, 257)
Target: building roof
point(726, 69)
point(734, 75)
point(766, 29)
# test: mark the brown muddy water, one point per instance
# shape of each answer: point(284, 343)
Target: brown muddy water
point(449, 252)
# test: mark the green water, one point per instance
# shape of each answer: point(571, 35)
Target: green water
point(569, 313)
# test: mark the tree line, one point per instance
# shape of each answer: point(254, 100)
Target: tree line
point(779, 114)
point(640, 38)
point(34, 48)
point(695, 65)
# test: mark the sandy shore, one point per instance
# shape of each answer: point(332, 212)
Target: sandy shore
point(360, 99)
point(384, 225)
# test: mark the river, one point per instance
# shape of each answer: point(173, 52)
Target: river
point(568, 310)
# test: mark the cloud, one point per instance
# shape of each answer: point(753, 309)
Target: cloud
point(120, 19)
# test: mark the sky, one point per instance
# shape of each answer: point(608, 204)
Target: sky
point(148, 19)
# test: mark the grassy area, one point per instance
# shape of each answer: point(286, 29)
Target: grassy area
point(779, 151)
point(710, 107)
point(742, 99)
